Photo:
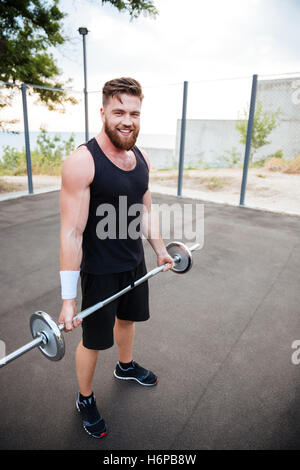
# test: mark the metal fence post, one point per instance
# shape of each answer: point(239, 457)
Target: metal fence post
point(249, 138)
point(27, 143)
point(182, 139)
point(85, 93)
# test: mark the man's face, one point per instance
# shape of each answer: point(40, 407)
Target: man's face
point(121, 120)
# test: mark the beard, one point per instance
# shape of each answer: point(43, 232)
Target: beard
point(121, 142)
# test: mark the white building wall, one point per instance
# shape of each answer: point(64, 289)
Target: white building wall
point(208, 140)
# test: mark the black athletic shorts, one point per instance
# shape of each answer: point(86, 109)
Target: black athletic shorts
point(134, 305)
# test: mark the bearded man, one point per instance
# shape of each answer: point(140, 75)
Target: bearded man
point(94, 177)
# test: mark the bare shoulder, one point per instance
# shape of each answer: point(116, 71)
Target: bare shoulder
point(146, 157)
point(78, 168)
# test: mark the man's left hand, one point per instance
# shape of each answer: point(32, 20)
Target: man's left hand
point(163, 259)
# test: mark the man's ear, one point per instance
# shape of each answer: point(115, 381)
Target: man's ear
point(102, 114)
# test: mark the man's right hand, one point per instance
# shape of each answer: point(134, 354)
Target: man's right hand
point(67, 313)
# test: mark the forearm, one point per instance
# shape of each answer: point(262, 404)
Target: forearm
point(70, 250)
point(150, 228)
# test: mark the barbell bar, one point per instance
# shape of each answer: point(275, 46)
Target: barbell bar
point(47, 334)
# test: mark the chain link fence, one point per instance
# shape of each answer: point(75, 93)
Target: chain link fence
point(212, 140)
point(39, 138)
point(216, 129)
point(275, 145)
point(277, 132)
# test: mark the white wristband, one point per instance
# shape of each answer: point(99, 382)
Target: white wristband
point(68, 280)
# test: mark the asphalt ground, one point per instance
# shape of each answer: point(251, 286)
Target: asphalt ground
point(220, 339)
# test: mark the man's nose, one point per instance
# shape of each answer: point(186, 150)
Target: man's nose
point(127, 121)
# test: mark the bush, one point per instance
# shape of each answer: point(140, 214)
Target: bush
point(294, 166)
point(278, 154)
point(276, 164)
point(232, 159)
point(259, 163)
point(262, 162)
point(46, 158)
point(13, 161)
point(285, 166)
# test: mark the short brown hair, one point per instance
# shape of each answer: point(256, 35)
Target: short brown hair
point(117, 86)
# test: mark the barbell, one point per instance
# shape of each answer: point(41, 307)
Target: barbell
point(47, 335)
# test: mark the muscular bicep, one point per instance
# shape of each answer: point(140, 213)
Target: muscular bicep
point(74, 209)
point(77, 175)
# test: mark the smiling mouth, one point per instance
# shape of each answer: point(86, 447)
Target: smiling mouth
point(125, 132)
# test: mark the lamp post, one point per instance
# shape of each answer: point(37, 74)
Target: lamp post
point(84, 31)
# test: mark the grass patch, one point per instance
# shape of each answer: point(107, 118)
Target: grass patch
point(213, 182)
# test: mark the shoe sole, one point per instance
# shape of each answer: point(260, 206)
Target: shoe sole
point(137, 380)
point(89, 433)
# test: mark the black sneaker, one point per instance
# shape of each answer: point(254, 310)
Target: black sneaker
point(93, 423)
point(136, 372)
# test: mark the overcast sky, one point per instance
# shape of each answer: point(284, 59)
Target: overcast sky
point(190, 40)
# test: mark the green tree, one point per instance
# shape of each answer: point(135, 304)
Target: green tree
point(28, 29)
point(264, 123)
point(134, 7)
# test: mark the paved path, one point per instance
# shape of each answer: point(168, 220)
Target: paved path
point(219, 338)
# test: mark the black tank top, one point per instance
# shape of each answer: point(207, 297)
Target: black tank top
point(123, 253)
